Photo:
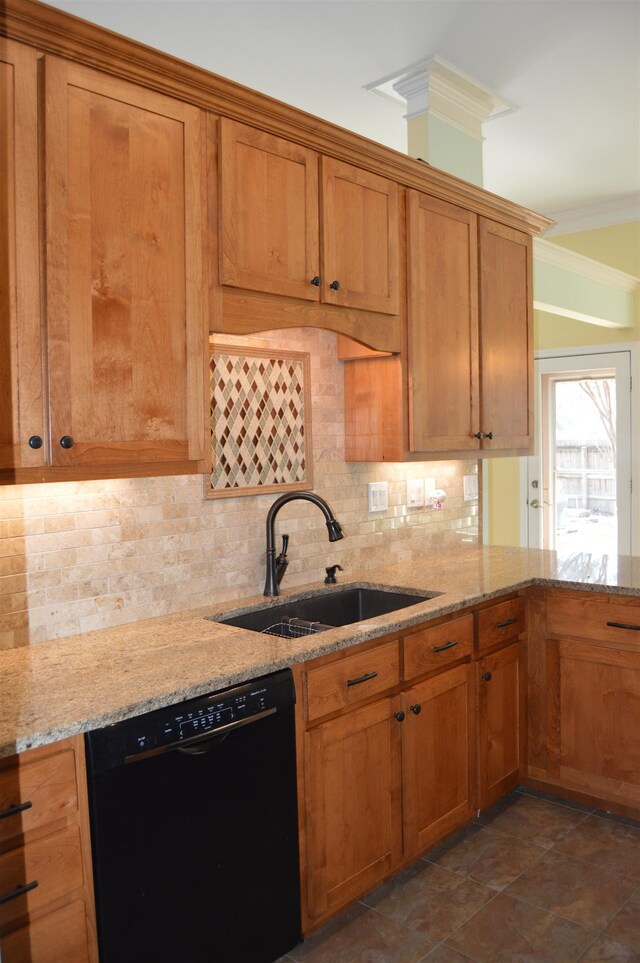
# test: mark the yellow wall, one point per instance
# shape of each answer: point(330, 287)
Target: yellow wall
point(618, 247)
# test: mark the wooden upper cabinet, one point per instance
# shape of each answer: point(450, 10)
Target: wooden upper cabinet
point(280, 235)
point(506, 337)
point(125, 321)
point(21, 398)
point(360, 223)
point(443, 325)
point(268, 213)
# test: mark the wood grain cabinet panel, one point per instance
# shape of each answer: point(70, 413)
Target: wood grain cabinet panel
point(506, 337)
point(352, 679)
point(22, 414)
point(434, 648)
point(442, 325)
point(125, 320)
point(465, 382)
point(269, 213)
point(293, 223)
point(352, 810)
point(501, 727)
point(57, 937)
point(46, 884)
point(500, 623)
point(361, 235)
point(599, 749)
point(438, 757)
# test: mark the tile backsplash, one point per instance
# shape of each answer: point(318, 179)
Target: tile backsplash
point(77, 556)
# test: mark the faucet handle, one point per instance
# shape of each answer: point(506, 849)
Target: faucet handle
point(331, 574)
point(285, 546)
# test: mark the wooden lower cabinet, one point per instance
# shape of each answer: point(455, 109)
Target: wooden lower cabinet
point(385, 779)
point(46, 888)
point(438, 757)
point(501, 722)
point(584, 691)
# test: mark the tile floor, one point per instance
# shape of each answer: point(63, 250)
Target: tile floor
point(533, 880)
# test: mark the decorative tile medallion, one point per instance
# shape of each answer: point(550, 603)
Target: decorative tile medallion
point(260, 420)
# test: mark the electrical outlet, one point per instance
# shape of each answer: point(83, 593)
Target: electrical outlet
point(415, 492)
point(378, 496)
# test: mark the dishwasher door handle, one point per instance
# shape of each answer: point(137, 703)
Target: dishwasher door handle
point(197, 745)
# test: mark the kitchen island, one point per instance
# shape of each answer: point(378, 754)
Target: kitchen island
point(53, 690)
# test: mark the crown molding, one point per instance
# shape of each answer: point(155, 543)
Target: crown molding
point(586, 267)
point(618, 210)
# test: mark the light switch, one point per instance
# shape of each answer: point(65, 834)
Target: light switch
point(378, 496)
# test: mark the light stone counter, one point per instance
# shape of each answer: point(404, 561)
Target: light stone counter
point(56, 689)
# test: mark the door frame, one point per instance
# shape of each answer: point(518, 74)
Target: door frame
point(631, 469)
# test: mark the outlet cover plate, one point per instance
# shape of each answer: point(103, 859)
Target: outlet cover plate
point(378, 496)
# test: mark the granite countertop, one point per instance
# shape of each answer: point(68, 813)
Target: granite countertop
point(52, 690)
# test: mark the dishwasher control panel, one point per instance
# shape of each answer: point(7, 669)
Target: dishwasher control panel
point(193, 720)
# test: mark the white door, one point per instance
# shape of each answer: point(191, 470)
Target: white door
point(579, 480)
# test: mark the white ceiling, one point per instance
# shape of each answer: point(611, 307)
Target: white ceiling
point(571, 67)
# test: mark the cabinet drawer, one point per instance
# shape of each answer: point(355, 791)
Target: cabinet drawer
point(54, 861)
point(59, 936)
point(600, 620)
point(352, 679)
point(500, 623)
point(436, 647)
point(37, 790)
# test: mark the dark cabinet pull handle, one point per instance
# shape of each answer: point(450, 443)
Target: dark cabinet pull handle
point(18, 891)
point(503, 625)
point(487, 676)
point(621, 625)
point(335, 285)
point(479, 435)
point(14, 810)
point(415, 709)
point(446, 645)
point(361, 678)
point(316, 281)
point(66, 441)
point(399, 716)
point(35, 441)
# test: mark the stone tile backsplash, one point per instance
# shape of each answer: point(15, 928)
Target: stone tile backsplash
point(77, 556)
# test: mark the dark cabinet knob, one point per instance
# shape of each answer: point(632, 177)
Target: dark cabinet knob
point(399, 716)
point(415, 709)
point(66, 441)
point(335, 285)
point(479, 435)
point(35, 441)
point(487, 676)
point(315, 281)
point(489, 435)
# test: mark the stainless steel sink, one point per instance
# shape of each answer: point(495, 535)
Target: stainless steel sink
point(325, 610)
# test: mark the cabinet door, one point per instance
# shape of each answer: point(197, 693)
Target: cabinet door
point(443, 325)
point(506, 337)
point(438, 757)
point(126, 326)
point(269, 234)
point(360, 221)
point(21, 412)
point(501, 723)
point(352, 790)
point(598, 719)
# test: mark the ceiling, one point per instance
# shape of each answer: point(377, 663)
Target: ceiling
point(572, 148)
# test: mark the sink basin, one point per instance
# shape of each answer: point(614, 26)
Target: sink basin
point(325, 610)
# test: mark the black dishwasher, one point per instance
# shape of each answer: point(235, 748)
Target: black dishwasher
point(194, 829)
